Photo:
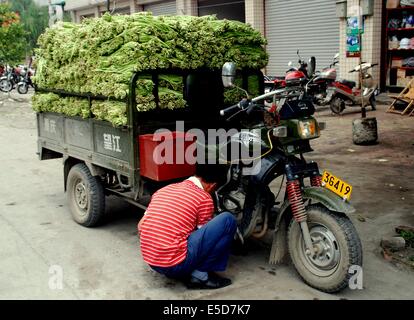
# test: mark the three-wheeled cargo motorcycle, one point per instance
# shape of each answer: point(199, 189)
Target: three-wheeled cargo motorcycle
point(311, 223)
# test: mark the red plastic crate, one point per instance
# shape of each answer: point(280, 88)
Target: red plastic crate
point(175, 144)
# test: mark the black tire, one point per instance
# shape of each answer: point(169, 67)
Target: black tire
point(337, 105)
point(85, 195)
point(6, 85)
point(22, 88)
point(345, 249)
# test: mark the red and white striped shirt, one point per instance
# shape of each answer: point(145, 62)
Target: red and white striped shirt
point(174, 212)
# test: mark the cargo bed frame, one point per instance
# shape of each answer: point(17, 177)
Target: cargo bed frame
point(112, 153)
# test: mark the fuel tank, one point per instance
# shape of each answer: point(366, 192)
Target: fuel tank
point(328, 74)
point(294, 78)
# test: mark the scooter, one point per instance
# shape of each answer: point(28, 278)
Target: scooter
point(311, 223)
point(344, 92)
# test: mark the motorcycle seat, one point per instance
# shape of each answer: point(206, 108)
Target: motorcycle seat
point(350, 84)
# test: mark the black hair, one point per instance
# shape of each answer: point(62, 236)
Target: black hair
point(212, 173)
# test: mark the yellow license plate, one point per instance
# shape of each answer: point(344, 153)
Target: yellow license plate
point(336, 185)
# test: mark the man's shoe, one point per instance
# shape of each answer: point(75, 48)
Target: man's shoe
point(213, 282)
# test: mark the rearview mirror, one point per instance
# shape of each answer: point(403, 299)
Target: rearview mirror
point(312, 66)
point(290, 64)
point(228, 74)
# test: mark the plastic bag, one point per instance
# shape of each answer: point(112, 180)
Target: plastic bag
point(394, 23)
point(408, 62)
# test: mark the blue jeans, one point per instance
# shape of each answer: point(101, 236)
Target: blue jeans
point(208, 248)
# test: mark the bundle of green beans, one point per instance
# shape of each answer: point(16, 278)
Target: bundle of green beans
point(99, 56)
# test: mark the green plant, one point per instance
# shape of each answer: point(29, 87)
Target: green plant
point(34, 19)
point(408, 237)
point(12, 36)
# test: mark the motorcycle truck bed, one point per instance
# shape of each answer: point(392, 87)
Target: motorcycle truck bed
point(89, 140)
point(114, 151)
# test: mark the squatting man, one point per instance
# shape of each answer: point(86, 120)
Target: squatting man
point(179, 237)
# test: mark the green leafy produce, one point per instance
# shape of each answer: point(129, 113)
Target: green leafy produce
point(113, 111)
point(67, 105)
point(100, 55)
point(232, 95)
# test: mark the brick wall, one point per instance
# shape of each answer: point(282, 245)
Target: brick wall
point(371, 42)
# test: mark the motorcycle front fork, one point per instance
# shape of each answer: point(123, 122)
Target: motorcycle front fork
point(299, 213)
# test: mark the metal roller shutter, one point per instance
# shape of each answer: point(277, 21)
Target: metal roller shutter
point(162, 8)
point(224, 9)
point(310, 26)
point(124, 10)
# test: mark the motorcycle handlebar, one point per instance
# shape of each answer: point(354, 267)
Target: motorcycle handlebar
point(371, 66)
point(228, 110)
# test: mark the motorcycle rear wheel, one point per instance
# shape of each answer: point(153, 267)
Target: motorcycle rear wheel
point(337, 105)
point(6, 85)
point(339, 248)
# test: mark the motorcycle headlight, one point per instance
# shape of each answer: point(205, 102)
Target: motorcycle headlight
point(308, 129)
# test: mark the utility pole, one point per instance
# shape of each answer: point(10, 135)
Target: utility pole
point(364, 130)
point(360, 19)
point(55, 12)
point(107, 5)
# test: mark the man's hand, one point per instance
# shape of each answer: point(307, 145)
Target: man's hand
point(210, 187)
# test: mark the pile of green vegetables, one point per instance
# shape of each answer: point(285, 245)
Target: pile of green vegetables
point(100, 55)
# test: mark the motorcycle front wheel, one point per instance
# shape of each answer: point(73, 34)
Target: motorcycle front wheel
point(337, 244)
point(6, 85)
point(22, 88)
point(337, 105)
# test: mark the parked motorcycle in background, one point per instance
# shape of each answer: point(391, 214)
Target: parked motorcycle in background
point(26, 81)
point(273, 83)
point(2, 70)
point(319, 83)
point(291, 76)
point(10, 79)
point(315, 82)
point(344, 92)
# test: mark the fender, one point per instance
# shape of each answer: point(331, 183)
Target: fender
point(320, 195)
point(271, 166)
point(69, 162)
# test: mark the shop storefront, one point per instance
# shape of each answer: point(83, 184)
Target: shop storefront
point(398, 51)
